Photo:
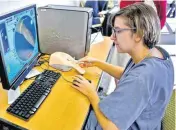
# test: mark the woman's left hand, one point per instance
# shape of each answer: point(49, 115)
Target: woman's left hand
point(84, 86)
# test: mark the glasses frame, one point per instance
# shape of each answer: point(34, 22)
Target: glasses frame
point(116, 31)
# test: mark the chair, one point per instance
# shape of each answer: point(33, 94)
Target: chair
point(172, 10)
point(103, 5)
point(97, 6)
point(169, 119)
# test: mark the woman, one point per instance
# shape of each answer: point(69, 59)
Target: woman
point(161, 6)
point(144, 86)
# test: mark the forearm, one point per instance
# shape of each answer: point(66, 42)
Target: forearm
point(104, 122)
point(115, 71)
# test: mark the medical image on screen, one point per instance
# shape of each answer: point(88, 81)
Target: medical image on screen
point(18, 40)
point(25, 34)
point(4, 40)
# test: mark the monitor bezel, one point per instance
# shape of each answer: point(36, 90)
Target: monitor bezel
point(22, 74)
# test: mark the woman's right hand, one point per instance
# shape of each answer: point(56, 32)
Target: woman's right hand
point(88, 62)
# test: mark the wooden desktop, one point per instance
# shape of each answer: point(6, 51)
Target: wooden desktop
point(65, 108)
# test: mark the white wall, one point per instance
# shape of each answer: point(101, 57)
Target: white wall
point(43, 2)
point(8, 5)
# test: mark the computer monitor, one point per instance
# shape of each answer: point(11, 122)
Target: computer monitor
point(18, 45)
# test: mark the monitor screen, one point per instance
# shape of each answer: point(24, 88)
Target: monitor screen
point(18, 42)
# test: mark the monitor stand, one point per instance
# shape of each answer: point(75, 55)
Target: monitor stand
point(13, 95)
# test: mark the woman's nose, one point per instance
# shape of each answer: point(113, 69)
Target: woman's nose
point(112, 37)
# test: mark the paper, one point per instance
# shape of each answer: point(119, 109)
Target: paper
point(33, 73)
point(13, 95)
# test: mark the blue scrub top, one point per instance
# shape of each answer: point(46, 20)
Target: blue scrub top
point(141, 96)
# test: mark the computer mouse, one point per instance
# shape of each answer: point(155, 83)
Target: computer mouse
point(78, 82)
point(64, 62)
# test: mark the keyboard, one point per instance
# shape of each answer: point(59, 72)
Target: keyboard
point(31, 99)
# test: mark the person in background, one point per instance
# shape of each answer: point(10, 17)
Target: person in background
point(97, 6)
point(161, 6)
point(145, 84)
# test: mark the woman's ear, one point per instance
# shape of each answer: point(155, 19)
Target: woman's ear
point(138, 37)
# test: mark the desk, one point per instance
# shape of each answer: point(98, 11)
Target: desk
point(65, 108)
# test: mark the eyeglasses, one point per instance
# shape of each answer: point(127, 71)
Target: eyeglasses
point(116, 31)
